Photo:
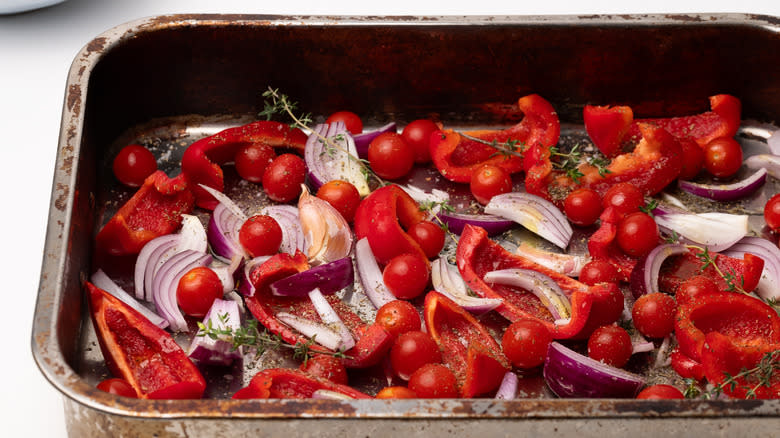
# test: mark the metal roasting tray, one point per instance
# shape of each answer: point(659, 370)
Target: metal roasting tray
point(167, 80)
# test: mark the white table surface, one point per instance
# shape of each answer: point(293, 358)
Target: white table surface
point(36, 50)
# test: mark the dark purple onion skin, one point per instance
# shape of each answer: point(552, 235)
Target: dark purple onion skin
point(720, 194)
point(637, 280)
point(364, 139)
point(329, 278)
point(493, 225)
point(571, 375)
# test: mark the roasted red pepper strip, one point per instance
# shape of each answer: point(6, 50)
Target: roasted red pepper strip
point(287, 383)
point(743, 319)
point(457, 157)
point(607, 127)
point(746, 271)
point(467, 347)
point(154, 210)
point(685, 366)
point(725, 358)
point(372, 341)
point(478, 255)
point(140, 352)
point(201, 162)
point(652, 165)
point(382, 217)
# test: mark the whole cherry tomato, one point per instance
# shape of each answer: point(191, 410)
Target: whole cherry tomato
point(598, 271)
point(411, 350)
point(429, 236)
point(694, 287)
point(488, 181)
point(398, 317)
point(326, 367)
point(342, 195)
point(118, 387)
point(525, 343)
point(637, 234)
point(197, 290)
point(252, 160)
point(772, 213)
point(434, 380)
point(661, 391)
point(610, 344)
point(390, 156)
point(260, 235)
point(624, 197)
point(406, 276)
point(417, 135)
point(351, 121)
point(133, 164)
point(692, 159)
point(395, 392)
point(723, 157)
point(282, 178)
point(653, 315)
point(583, 207)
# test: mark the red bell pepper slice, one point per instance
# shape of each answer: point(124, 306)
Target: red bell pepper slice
point(607, 126)
point(685, 366)
point(743, 319)
point(201, 162)
point(477, 255)
point(467, 347)
point(372, 340)
point(293, 384)
point(726, 358)
point(382, 217)
point(141, 353)
point(154, 210)
point(746, 271)
point(457, 157)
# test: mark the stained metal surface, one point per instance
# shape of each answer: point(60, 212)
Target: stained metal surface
point(199, 70)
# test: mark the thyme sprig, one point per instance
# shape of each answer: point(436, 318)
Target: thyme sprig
point(430, 206)
point(259, 340)
point(733, 283)
point(505, 148)
point(569, 162)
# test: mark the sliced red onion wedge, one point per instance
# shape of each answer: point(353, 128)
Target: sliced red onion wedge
point(726, 192)
point(226, 272)
point(223, 232)
point(544, 287)
point(644, 276)
point(447, 280)
point(330, 154)
point(245, 285)
point(332, 319)
point(566, 264)
point(494, 225)
point(321, 333)
point(290, 223)
point(103, 281)
point(226, 201)
point(535, 213)
point(716, 231)
point(370, 275)
point(769, 286)
point(773, 142)
point(328, 278)
point(222, 315)
point(364, 139)
point(569, 374)
point(765, 161)
point(435, 198)
point(642, 346)
point(167, 280)
point(508, 388)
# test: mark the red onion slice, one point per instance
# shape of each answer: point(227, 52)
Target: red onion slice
point(447, 280)
point(330, 154)
point(222, 315)
point(544, 287)
point(227, 202)
point(290, 223)
point(223, 232)
point(726, 192)
point(103, 281)
point(773, 142)
point(321, 333)
point(765, 161)
point(332, 319)
point(644, 276)
point(569, 374)
point(226, 272)
point(769, 286)
point(167, 280)
point(535, 213)
point(508, 388)
point(566, 264)
point(494, 225)
point(364, 139)
point(245, 285)
point(716, 231)
point(328, 278)
point(435, 198)
point(144, 269)
point(370, 275)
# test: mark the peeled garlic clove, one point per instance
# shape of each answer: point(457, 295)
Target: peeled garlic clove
point(327, 234)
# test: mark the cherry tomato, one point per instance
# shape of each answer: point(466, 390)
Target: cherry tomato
point(260, 235)
point(653, 315)
point(694, 287)
point(488, 181)
point(434, 380)
point(351, 121)
point(390, 156)
point(692, 159)
point(342, 195)
point(772, 213)
point(429, 236)
point(411, 350)
point(398, 317)
point(406, 276)
point(610, 344)
point(583, 207)
point(395, 392)
point(624, 197)
point(525, 343)
point(598, 271)
point(606, 310)
point(197, 290)
point(117, 387)
point(723, 157)
point(418, 134)
point(282, 178)
point(133, 164)
point(252, 160)
point(658, 392)
point(326, 367)
point(637, 234)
